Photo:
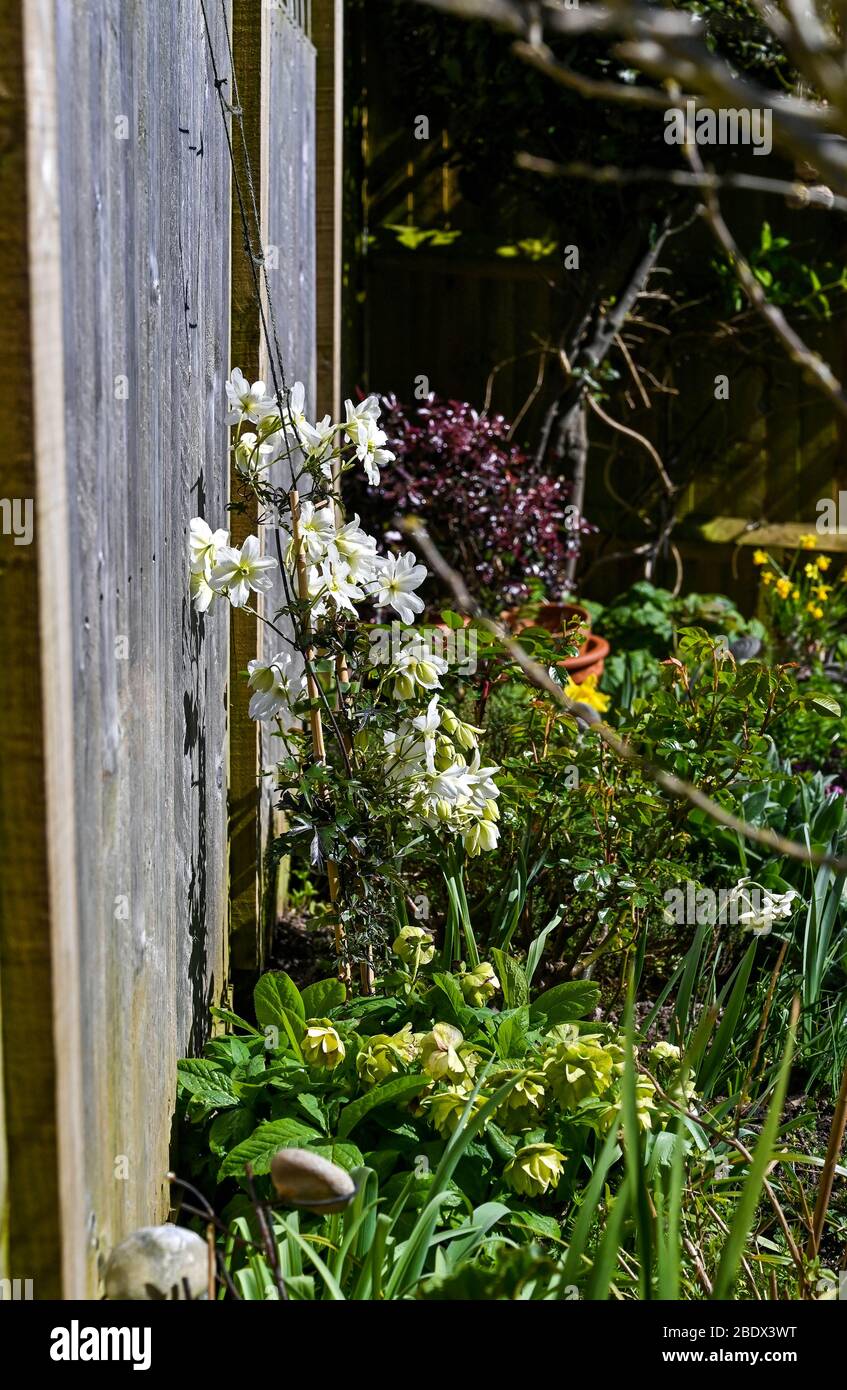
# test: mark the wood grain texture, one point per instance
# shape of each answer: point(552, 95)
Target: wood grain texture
point(328, 37)
point(288, 217)
point(31, 1215)
point(145, 215)
point(245, 833)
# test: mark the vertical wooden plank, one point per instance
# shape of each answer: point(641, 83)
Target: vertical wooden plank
point(249, 30)
point(328, 38)
point(145, 222)
point(38, 917)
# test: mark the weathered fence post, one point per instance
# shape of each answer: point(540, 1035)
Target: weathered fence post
point(43, 1210)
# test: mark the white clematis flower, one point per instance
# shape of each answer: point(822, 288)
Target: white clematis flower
point(202, 593)
point(278, 684)
point(203, 546)
point(362, 431)
point(317, 528)
point(396, 580)
point(237, 572)
point(246, 401)
point(332, 581)
point(357, 550)
point(252, 457)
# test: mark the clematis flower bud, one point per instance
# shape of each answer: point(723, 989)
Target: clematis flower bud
point(404, 687)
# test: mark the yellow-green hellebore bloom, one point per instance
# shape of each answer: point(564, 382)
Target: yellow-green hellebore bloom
point(644, 1105)
point(414, 946)
point(663, 1052)
point(578, 1069)
point(384, 1054)
point(447, 1107)
point(479, 984)
point(440, 1054)
point(534, 1169)
point(527, 1093)
point(322, 1046)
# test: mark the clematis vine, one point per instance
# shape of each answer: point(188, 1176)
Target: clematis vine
point(378, 724)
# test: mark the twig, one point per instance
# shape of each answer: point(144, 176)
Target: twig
point(802, 195)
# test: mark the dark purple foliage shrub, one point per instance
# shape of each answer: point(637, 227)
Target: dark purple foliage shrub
point(503, 524)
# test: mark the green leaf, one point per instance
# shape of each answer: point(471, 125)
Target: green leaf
point(452, 620)
point(452, 991)
point(214, 1088)
point(311, 1105)
point(263, 1143)
point(275, 995)
point(322, 996)
point(397, 1089)
point(565, 1002)
point(824, 704)
point(511, 1033)
point(347, 1156)
point(229, 1129)
point(512, 979)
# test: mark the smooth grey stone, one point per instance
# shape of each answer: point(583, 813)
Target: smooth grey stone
point(155, 1260)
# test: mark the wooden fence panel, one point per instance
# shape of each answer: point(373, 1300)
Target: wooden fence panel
point(144, 189)
point(145, 225)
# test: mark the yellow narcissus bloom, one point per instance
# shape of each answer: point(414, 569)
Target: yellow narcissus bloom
point(824, 562)
point(440, 1054)
point(322, 1047)
point(414, 946)
point(814, 610)
point(588, 694)
point(811, 571)
point(578, 1069)
point(808, 541)
point(479, 984)
point(783, 587)
point(822, 592)
point(767, 577)
point(760, 557)
point(534, 1169)
point(447, 1107)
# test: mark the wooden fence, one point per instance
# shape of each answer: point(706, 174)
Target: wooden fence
point(130, 816)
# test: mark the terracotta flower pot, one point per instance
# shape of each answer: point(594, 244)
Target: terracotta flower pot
point(555, 618)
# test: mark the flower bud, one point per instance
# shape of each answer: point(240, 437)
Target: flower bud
point(426, 675)
point(301, 1177)
point(404, 687)
point(414, 946)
